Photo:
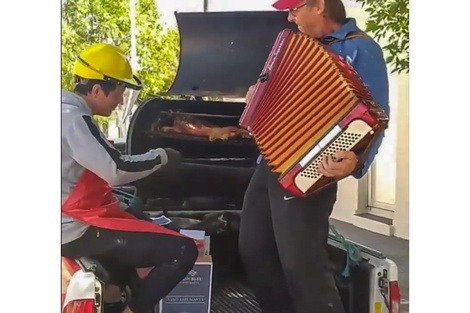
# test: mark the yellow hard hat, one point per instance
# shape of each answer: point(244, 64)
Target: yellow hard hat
point(106, 62)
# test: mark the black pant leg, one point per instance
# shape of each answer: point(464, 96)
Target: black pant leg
point(258, 248)
point(301, 227)
point(171, 257)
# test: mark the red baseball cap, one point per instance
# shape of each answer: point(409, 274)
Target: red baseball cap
point(286, 4)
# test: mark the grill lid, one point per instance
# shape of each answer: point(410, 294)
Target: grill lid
point(223, 53)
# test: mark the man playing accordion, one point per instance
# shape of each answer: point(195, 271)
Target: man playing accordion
point(283, 238)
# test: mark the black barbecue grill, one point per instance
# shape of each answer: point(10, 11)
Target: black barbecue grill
point(222, 54)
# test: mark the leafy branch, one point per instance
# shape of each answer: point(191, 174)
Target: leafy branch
point(388, 22)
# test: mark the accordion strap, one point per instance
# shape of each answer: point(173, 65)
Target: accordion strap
point(329, 40)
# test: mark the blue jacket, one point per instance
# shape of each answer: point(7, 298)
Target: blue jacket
point(366, 56)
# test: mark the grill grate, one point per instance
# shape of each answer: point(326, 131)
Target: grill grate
point(233, 298)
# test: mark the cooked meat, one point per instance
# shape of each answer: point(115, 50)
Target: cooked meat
point(186, 124)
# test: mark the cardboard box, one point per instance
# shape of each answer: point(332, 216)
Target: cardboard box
point(193, 293)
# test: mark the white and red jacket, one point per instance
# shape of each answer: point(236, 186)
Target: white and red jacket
point(90, 166)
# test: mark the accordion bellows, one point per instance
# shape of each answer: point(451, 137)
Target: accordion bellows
point(309, 103)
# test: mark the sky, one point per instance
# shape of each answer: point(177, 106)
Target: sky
point(168, 7)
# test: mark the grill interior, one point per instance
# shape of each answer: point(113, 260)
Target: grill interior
point(146, 131)
point(212, 169)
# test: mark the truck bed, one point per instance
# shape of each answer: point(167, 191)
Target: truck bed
point(230, 292)
point(233, 297)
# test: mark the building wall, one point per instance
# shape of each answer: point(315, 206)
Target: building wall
point(388, 180)
point(353, 194)
point(401, 218)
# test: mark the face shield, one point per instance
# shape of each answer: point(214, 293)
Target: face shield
point(125, 110)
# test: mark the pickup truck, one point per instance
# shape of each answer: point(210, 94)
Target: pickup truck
point(221, 55)
point(367, 280)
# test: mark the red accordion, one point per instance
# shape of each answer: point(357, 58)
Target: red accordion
point(309, 103)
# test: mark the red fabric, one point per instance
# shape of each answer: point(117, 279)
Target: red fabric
point(286, 4)
point(92, 202)
point(80, 306)
point(71, 265)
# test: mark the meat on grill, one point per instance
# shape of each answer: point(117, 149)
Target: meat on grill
point(189, 125)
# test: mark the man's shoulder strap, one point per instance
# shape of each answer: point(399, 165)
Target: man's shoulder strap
point(329, 40)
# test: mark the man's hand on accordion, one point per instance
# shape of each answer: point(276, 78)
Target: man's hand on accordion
point(338, 165)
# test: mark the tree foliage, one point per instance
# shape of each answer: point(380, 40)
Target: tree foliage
point(389, 23)
point(86, 22)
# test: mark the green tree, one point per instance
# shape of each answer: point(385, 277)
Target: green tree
point(157, 50)
point(86, 22)
point(389, 23)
